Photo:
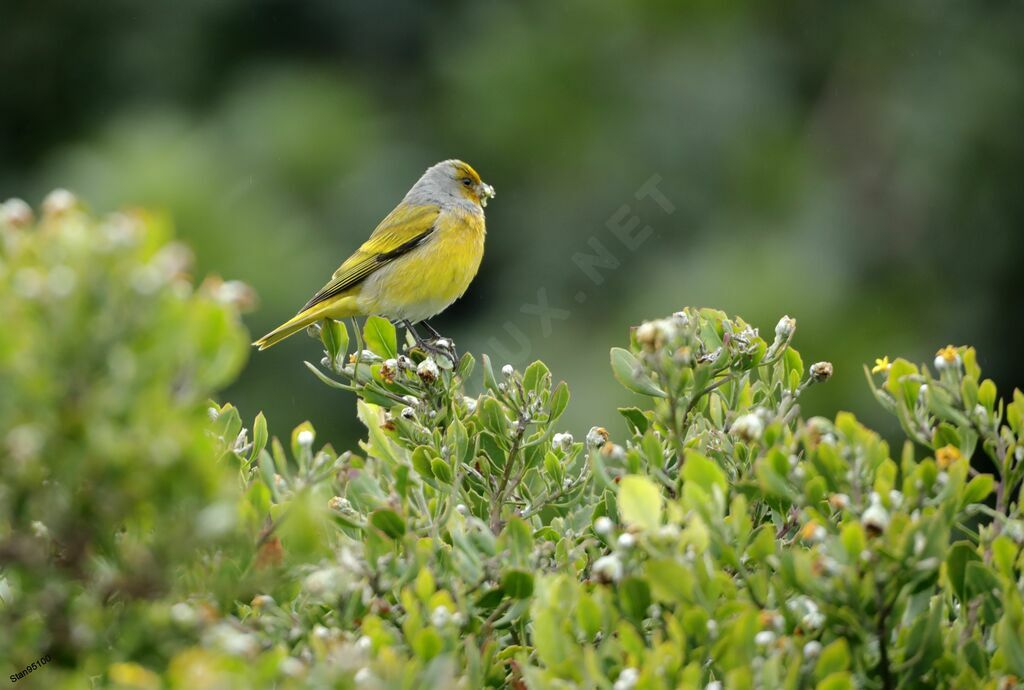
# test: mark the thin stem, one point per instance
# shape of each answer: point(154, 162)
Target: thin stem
point(499, 496)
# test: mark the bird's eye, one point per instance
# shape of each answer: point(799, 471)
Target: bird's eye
point(466, 182)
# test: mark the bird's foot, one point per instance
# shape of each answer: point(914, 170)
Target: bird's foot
point(436, 346)
point(443, 347)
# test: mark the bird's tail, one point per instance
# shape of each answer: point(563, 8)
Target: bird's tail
point(301, 320)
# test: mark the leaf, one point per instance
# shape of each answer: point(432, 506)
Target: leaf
point(442, 470)
point(334, 336)
point(979, 579)
point(635, 419)
point(703, 472)
point(490, 383)
point(854, 540)
point(834, 658)
point(635, 597)
point(517, 583)
point(978, 489)
point(260, 436)
point(492, 414)
point(559, 401)
point(427, 644)
point(379, 337)
point(836, 681)
point(458, 440)
point(466, 366)
point(669, 581)
point(1010, 632)
point(640, 502)
point(960, 554)
point(628, 372)
point(421, 462)
point(534, 377)
point(388, 521)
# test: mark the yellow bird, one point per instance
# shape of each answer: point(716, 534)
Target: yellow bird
point(420, 259)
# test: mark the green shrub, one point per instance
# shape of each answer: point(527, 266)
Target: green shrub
point(110, 482)
point(720, 541)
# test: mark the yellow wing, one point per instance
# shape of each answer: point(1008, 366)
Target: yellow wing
point(404, 229)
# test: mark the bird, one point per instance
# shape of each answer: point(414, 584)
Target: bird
point(416, 263)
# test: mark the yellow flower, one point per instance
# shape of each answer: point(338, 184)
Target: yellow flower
point(948, 353)
point(881, 365)
point(946, 456)
point(134, 676)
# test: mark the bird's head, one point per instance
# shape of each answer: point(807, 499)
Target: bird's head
point(456, 181)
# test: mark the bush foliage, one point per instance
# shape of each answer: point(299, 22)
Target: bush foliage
point(718, 539)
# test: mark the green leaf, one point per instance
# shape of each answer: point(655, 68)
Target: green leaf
point(978, 489)
point(635, 597)
point(421, 462)
point(388, 521)
point(379, 337)
point(260, 436)
point(960, 554)
point(534, 377)
point(466, 366)
point(629, 373)
point(670, 581)
point(854, 540)
point(987, 394)
point(517, 583)
point(836, 681)
point(588, 615)
point(442, 470)
point(834, 659)
point(427, 644)
point(1010, 632)
point(559, 401)
point(640, 502)
point(979, 579)
point(703, 472)
point(763, 543)
point(635, 419)
point(492, 414)
point(458, 440)
point(490, 383)
point(334, 336)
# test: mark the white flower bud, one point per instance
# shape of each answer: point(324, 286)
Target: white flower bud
point(875, 518)
point(470, 404)
point(603, 526)
point(821, 371)
point(764, 638)
point(597, 437)
point(16, 213)
point(812, 649)
point(608, 568)
point(59, 201)
point(627, 679)
point(305, 438)
point(785, 327)
point(440, 616)
point(626, 541)
point(427, 370)
point(507, 371)
point(748, 427)
point(562, 441)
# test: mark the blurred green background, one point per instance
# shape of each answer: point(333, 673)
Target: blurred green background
point(854, 164)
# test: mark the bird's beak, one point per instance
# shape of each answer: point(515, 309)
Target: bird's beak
point(485, 191)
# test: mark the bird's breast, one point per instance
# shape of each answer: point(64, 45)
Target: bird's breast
point(428, 279)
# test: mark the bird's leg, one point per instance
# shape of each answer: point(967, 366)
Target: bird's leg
point(450, 348)
point(433, 331)
point(432, 347)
